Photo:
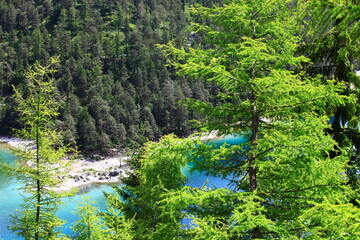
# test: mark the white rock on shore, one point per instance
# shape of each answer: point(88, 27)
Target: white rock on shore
point(209, 136)
point(15, 142)
point(84, 172)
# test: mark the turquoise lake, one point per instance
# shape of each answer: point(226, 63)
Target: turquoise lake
point(10, 198)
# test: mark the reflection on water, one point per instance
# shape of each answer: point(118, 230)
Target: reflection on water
point(94, 192)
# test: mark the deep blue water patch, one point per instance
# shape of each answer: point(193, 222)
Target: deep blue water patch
point(198, 179)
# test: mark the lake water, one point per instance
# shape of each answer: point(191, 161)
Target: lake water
point(197, 179)
point(10, 198)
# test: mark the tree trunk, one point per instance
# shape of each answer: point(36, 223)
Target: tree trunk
point(38, 187)
point(255, 120)
point(254, 136)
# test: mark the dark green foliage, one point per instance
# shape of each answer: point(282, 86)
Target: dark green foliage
point(110, 72)
point(333, 45)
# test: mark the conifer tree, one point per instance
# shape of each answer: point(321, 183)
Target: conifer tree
point(89, 226)
point(120, 227)
point(158, 170)
point(42, 162)
point(287, 185)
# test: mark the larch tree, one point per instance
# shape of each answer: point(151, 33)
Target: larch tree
point(120, 227)
point(41, 162)
point(286, 184)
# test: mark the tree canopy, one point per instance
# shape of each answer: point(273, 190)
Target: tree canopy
point(278, 73)
point(115, 88)
point(288, 186)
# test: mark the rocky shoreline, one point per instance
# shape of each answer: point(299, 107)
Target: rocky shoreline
point(84, 171)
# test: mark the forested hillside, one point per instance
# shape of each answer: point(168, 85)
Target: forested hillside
point(113, 81)
point(278, 74)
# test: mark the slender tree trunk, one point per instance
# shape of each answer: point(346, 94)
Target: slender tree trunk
point(153, 227)
point(254, 137)
point(255, 120)
point(38, 188)
point(89, 226)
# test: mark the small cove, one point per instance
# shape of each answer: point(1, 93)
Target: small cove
point(10, 198)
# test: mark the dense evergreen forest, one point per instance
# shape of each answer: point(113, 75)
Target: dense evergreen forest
point(115, 88)
point(281, 74)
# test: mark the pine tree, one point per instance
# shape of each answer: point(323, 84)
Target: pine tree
point(99, 43)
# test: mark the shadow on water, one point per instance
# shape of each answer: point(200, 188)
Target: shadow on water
point(93, 193)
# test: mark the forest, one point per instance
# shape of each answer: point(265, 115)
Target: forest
point(116, 90)
point(154, 76)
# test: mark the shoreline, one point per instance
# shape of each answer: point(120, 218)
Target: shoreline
point(86, 172)
point(209, 136)
point(15, 143)
point(83, 171)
